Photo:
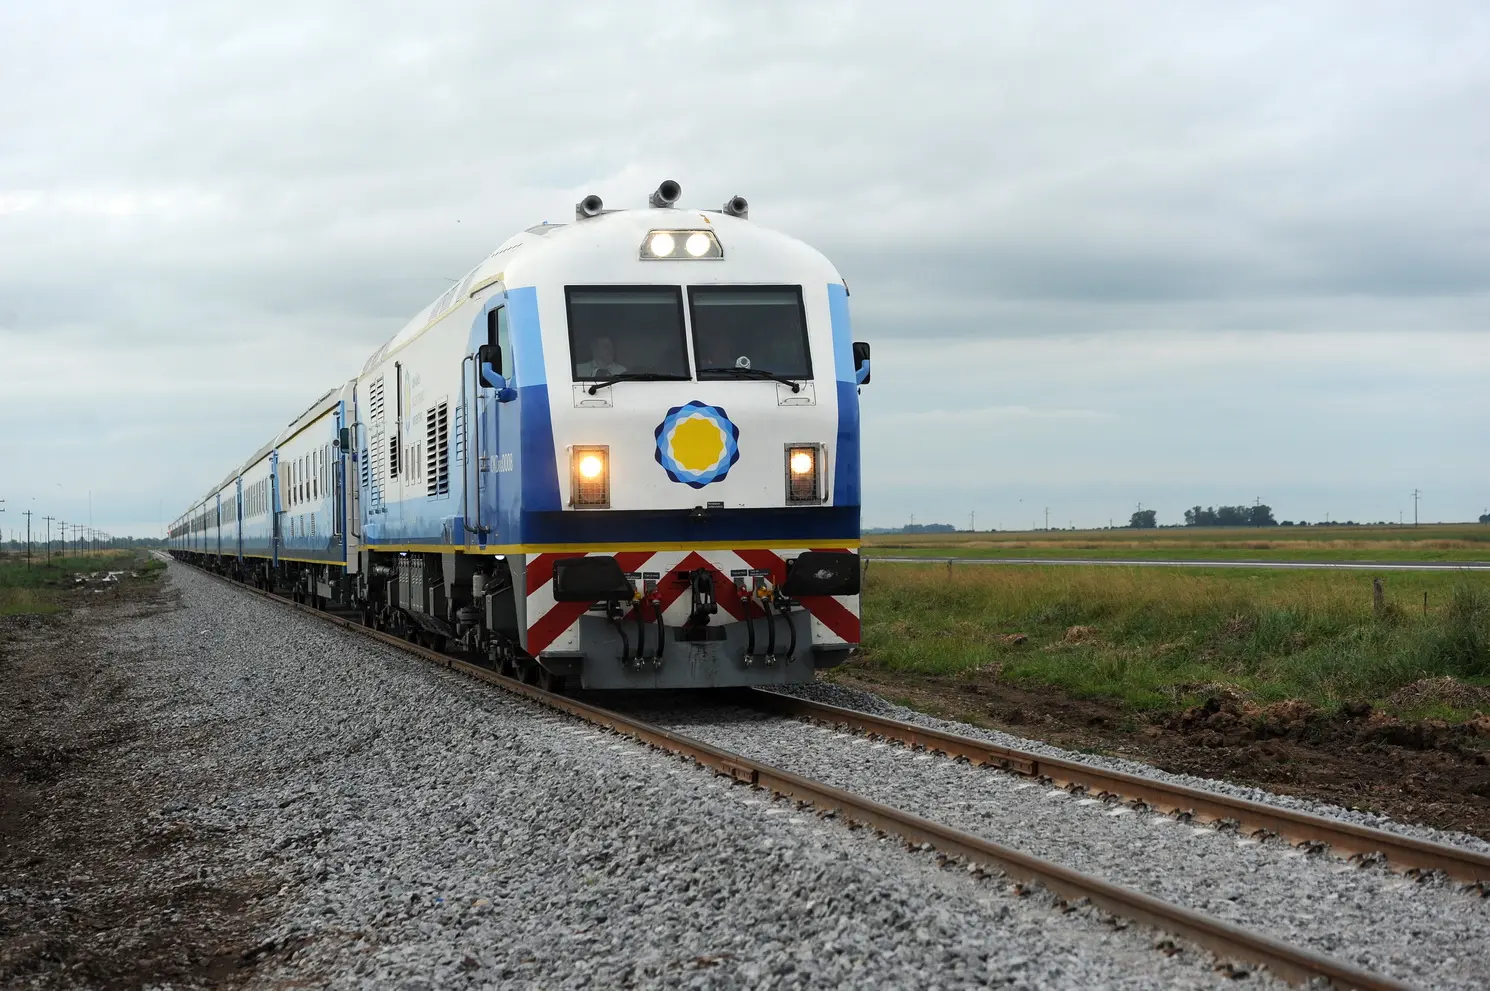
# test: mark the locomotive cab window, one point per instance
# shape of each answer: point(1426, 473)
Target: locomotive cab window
point(626, 331)
point(749, 331)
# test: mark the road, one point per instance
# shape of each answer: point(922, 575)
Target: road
point(1129, 563)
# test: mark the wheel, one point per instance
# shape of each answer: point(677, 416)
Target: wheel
point(527, 672)
point(550, 682)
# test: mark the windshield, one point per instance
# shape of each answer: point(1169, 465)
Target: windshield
point(626, 330)
point(756, 327)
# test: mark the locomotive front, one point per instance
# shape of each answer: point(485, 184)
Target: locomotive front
point(689, 514)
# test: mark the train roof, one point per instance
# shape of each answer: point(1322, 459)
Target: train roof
point(614, 234)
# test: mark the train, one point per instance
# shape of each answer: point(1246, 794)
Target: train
point(618, 453)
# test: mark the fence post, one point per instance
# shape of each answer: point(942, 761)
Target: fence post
point(1378, 597)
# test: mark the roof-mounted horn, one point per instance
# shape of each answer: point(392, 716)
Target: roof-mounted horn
point(736, 206)
point(590, 206)
point(666, 194)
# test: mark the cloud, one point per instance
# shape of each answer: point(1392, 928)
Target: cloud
point(1019, 195)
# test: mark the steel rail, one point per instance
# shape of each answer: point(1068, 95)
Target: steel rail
point(1402, 852)
point(1192, 563)
point(1291, 963)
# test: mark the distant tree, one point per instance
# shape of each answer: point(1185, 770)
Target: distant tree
point(1230, 516)
point(1485, 517)
point(1146, 519)
point(1288, 523)
point(1261, 515)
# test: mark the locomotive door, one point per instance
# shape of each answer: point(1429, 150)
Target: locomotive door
point(492, 389)
point(276, 518)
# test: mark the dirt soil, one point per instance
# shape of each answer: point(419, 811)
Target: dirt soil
point(1425, 772)
point(99, 886)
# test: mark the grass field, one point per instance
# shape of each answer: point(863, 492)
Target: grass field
point(1160, 638)
point(1437, 542)
point(33, 590)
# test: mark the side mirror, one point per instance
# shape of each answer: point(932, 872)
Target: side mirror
point(861, 362)
point(489, 360)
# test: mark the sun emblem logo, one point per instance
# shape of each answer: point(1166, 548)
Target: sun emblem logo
point(697, 444)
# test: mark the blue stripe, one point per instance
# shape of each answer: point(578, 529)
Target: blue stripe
point(791, 526)
point(846, 473)
point(536, 462)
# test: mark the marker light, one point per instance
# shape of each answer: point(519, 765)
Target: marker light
point(802, 476)
point(660, 245)
point(589, 469)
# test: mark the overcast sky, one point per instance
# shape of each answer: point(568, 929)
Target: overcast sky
point(1106, 253)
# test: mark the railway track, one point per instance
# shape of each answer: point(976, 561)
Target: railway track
point(1287, 961)
point(1402, 853)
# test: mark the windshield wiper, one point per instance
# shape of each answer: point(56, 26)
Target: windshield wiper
point(752, 373)
point(636, 377)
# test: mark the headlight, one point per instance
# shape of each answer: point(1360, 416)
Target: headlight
point(661, 244)
point(589, 471)
point(695, 244)
point(803, 474)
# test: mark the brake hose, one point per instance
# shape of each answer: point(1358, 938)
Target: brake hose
point(749, 629)
point(661, 640)
point(791, 632)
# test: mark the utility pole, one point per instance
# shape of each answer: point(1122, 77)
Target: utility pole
point(972, 522)
point(49, 520)
point(27, 514)
point(1415, 496)
point(1047, 517)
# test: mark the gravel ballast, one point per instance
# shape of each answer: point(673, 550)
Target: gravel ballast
point(429, 831)
point(852, 698)
point(1432, 931)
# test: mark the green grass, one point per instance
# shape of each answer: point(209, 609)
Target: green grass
point(33, 590)
point(1167, 638)
point(1438, 542)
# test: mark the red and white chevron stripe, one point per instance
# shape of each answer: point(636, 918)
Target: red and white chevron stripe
point(555, 625)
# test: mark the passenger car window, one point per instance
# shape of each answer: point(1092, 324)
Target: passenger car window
point(757, 327)
point(626, 330)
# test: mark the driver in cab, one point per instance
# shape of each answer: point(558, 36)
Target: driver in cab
point(602, 363)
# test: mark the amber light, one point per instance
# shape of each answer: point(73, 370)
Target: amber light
point(590, 474)
point(802, 474)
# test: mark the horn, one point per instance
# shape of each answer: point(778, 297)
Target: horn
point(590, 206)
point(737, 206)
point(666, 194)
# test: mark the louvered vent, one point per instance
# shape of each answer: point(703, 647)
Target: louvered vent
point(379, 463)
point(375, 400)
point(437, 450)
point(460, 434)
point(362, 460)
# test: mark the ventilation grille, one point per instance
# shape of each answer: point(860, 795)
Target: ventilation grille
point(375, 400)
point(460, 434)
point(437, 450)
point(379, 466)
